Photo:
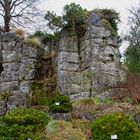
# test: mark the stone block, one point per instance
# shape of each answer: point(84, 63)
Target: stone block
point(9, 46)
point(9, 76)
point(9, 36)
point(18, 99)
point(25, 86)
point(30, 52)
point(94, 19)
point(69, 44)
point(8, 67)
point(9, 86)
point(68, 57)
point(10, 56)
point(68, 66)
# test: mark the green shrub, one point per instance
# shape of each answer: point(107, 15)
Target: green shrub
point(133, 59)
point(74, 18)
point(45, 37)
point(22, 122)
point(116, 123)
point(64, 104)
point(111, 16)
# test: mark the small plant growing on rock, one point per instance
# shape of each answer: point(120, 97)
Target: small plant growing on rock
point(116, 123)
point(60, 104)
point(5, 97)
point(33, 41)
point(20, 32)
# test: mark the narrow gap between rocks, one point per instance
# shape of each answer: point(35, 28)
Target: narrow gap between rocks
point(1, 68)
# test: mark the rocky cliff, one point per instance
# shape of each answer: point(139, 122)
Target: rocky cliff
point(86, 67)
point(89, 66)
point(17, 64)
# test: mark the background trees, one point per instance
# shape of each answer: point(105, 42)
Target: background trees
point(14, 12)
point(133, 37)
point(74, 17)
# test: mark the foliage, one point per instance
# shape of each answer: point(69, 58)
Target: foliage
point(5, 95)
point(54, 21)
point(133, 38)
point(22, 122)
point(83, 107)
point(61, 130)
point(34, 41)
point(133, 58)
point(74, 17)
point(40, 94)
point(111, 16)
point(70, 134)
point(106, 24)
point(64, 104)
point(84, 104)
point(116, 123)
point(45, 37)
point(56, 126)
point(133, 33)
point(85, 126)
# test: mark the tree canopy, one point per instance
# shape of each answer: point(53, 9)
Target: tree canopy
point(133, 37)
point(74, 17)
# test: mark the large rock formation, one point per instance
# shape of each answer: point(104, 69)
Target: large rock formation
point(17, 70)
point(88, 66)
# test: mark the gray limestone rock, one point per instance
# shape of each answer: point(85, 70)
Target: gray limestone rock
point(88, 67)
point(25, 86)
point(30, 52)
point(94, 19)
point(18, 69)
point(9, 36)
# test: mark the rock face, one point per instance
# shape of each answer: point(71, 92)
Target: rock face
point(17, 70)
point(88, 66)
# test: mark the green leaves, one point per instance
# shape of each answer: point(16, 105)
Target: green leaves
point(54, 21)
point(74, 17)
point(133, 58)
point(22, 121)
point(112, 18)
point(60, 104)
point(116, 123)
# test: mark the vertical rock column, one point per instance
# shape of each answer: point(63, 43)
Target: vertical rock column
point(68, 64)
point(71, 80)
point(9, 79)
point(89, 66)
point(18, 62)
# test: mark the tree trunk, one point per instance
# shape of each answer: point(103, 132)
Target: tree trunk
point(7, 17)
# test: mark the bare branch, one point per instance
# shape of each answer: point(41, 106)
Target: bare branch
point(16, 10)
point(2, 4)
